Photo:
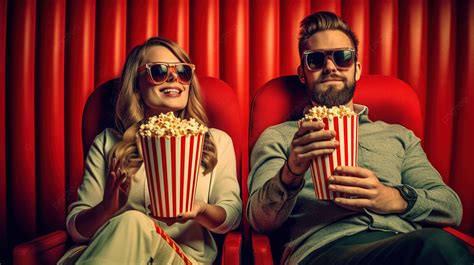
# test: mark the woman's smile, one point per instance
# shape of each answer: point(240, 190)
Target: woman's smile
point(171, 91)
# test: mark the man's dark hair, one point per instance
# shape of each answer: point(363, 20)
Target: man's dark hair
point(321, 21)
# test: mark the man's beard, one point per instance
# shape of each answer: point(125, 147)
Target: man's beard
point(332, 96)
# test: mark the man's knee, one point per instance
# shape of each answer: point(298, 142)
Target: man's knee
point(433, 238)
point(437, 246)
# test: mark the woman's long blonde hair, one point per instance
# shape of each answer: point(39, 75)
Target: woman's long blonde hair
point(130, 110)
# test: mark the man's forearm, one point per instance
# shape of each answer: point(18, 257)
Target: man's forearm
point(270, 205)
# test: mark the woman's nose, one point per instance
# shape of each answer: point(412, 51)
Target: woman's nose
point(172, 76)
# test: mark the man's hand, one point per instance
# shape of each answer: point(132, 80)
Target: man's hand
point(309, 142)
point(365, 191)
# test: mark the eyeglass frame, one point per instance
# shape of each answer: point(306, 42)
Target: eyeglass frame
point(147, 66)
point(306, 52)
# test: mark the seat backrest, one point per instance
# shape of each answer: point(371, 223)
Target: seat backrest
point(219, 101)
point(389, 99)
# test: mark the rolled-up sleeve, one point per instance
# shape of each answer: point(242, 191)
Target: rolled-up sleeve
point(436, 203)
point(270, 202)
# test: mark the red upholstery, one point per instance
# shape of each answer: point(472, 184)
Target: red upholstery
point(427, 44)
point(283, 98)
point(98, 114)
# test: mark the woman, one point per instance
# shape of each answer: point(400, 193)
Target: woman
point(111, 214)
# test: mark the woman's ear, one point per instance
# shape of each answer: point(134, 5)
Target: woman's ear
point(301, 75)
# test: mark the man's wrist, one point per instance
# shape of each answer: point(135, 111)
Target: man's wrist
point(401, 204)
point(289, 178)
point(291, 171)
point(408, 195)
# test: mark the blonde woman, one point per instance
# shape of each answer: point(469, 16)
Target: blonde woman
point(110, 218)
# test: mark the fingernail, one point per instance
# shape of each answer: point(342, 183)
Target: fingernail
point(331, 178)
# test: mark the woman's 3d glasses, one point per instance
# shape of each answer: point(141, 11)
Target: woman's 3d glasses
point(159, 72)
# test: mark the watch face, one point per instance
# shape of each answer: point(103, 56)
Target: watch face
point(411, 194)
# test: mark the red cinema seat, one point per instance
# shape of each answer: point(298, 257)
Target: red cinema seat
point(283, 98)
point(219, 99)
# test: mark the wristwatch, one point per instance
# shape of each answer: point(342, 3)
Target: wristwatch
point(409, 195)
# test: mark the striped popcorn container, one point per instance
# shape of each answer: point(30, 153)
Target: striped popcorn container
point(322, 167)
point(172, 167)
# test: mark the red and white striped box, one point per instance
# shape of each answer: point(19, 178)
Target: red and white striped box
point(322, 167)
point(172, 167)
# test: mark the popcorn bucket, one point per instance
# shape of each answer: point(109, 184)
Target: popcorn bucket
point(172, 166)
point(322, 167)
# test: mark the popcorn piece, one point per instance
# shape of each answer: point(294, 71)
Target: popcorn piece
point(168, 125)
point(318, 113)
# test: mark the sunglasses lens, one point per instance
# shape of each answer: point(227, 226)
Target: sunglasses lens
point(185, 72)
point(159, 72)
point(343, 58)
point(316, 60)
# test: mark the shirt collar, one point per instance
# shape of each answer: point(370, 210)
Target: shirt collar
point(362, 112)
point(361, 109)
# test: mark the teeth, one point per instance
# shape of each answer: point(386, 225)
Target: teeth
point(170, 90)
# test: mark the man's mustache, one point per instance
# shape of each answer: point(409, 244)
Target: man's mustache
point(332, 76)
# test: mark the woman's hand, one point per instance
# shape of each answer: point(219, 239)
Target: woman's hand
point(116, 190)
point(199, 208)
point(115, 197)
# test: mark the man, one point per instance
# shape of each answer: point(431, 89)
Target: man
point(392, 193)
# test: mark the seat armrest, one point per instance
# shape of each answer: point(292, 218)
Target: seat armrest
point(231, 248)
point(47, 249)
point(469, 240)
point(262, 252)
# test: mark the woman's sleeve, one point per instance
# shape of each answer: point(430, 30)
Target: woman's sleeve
point(225, 190)
point(91, 191)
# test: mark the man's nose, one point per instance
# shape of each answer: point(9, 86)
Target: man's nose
point(330, 66)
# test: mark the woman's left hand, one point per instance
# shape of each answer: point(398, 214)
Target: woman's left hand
point(199, 208)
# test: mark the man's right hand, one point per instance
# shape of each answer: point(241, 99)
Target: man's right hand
point(309, 142)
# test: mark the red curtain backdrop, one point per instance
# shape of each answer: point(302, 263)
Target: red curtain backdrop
point(55, 52)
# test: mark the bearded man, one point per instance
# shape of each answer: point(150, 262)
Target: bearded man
point(390, 198)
